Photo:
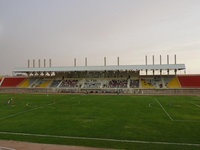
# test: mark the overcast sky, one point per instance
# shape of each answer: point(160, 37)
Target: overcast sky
point(130, 29)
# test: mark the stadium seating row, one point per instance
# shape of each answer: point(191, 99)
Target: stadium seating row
point(192, 81)
point(0, 80)
point(11, 82)
point(142, 82)
point(160, 82)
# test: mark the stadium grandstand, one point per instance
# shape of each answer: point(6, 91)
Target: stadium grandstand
point(102, 79)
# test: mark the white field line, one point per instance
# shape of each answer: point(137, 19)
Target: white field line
point(164, 110)
point(6, 148)
point(177, 120)
point(101, 139)
point(23, 112)
point(195, 104)
point(187, 120)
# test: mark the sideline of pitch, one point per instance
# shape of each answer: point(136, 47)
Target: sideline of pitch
point(102, 139)
point(21, 145)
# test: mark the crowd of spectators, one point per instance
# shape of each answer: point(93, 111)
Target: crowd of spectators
point(92, 84)
point(134, 83)
point(55, 83)
point(69, 83)
point(117, 84)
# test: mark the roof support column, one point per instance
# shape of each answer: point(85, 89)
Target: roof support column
point(28, 74)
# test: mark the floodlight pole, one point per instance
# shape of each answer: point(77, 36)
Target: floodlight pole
point(33, 63)
point(160, 64)
point(175, 71)
point(49, 63)
point(85, 61)
point(28, 63)
point(50, 67)
point(168, 64)
point(117, 61)
point(44, 63)
point(39, 63)
point(153, 64)
point(146, 64)
point(39, 66)
point(74, 62)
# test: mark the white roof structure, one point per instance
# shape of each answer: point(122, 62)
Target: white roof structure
point(102, 68)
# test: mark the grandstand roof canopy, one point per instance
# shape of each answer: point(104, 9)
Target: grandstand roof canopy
point(102, 68)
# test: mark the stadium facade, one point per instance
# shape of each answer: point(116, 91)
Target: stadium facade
point(158, 78)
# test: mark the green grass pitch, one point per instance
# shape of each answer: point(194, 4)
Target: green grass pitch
point(171, 119)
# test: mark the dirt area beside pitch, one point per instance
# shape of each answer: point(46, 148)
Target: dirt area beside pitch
point(14, 145)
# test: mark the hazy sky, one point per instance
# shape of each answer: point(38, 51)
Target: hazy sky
point(130, 29)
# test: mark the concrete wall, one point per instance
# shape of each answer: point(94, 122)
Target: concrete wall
point(125, 91)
